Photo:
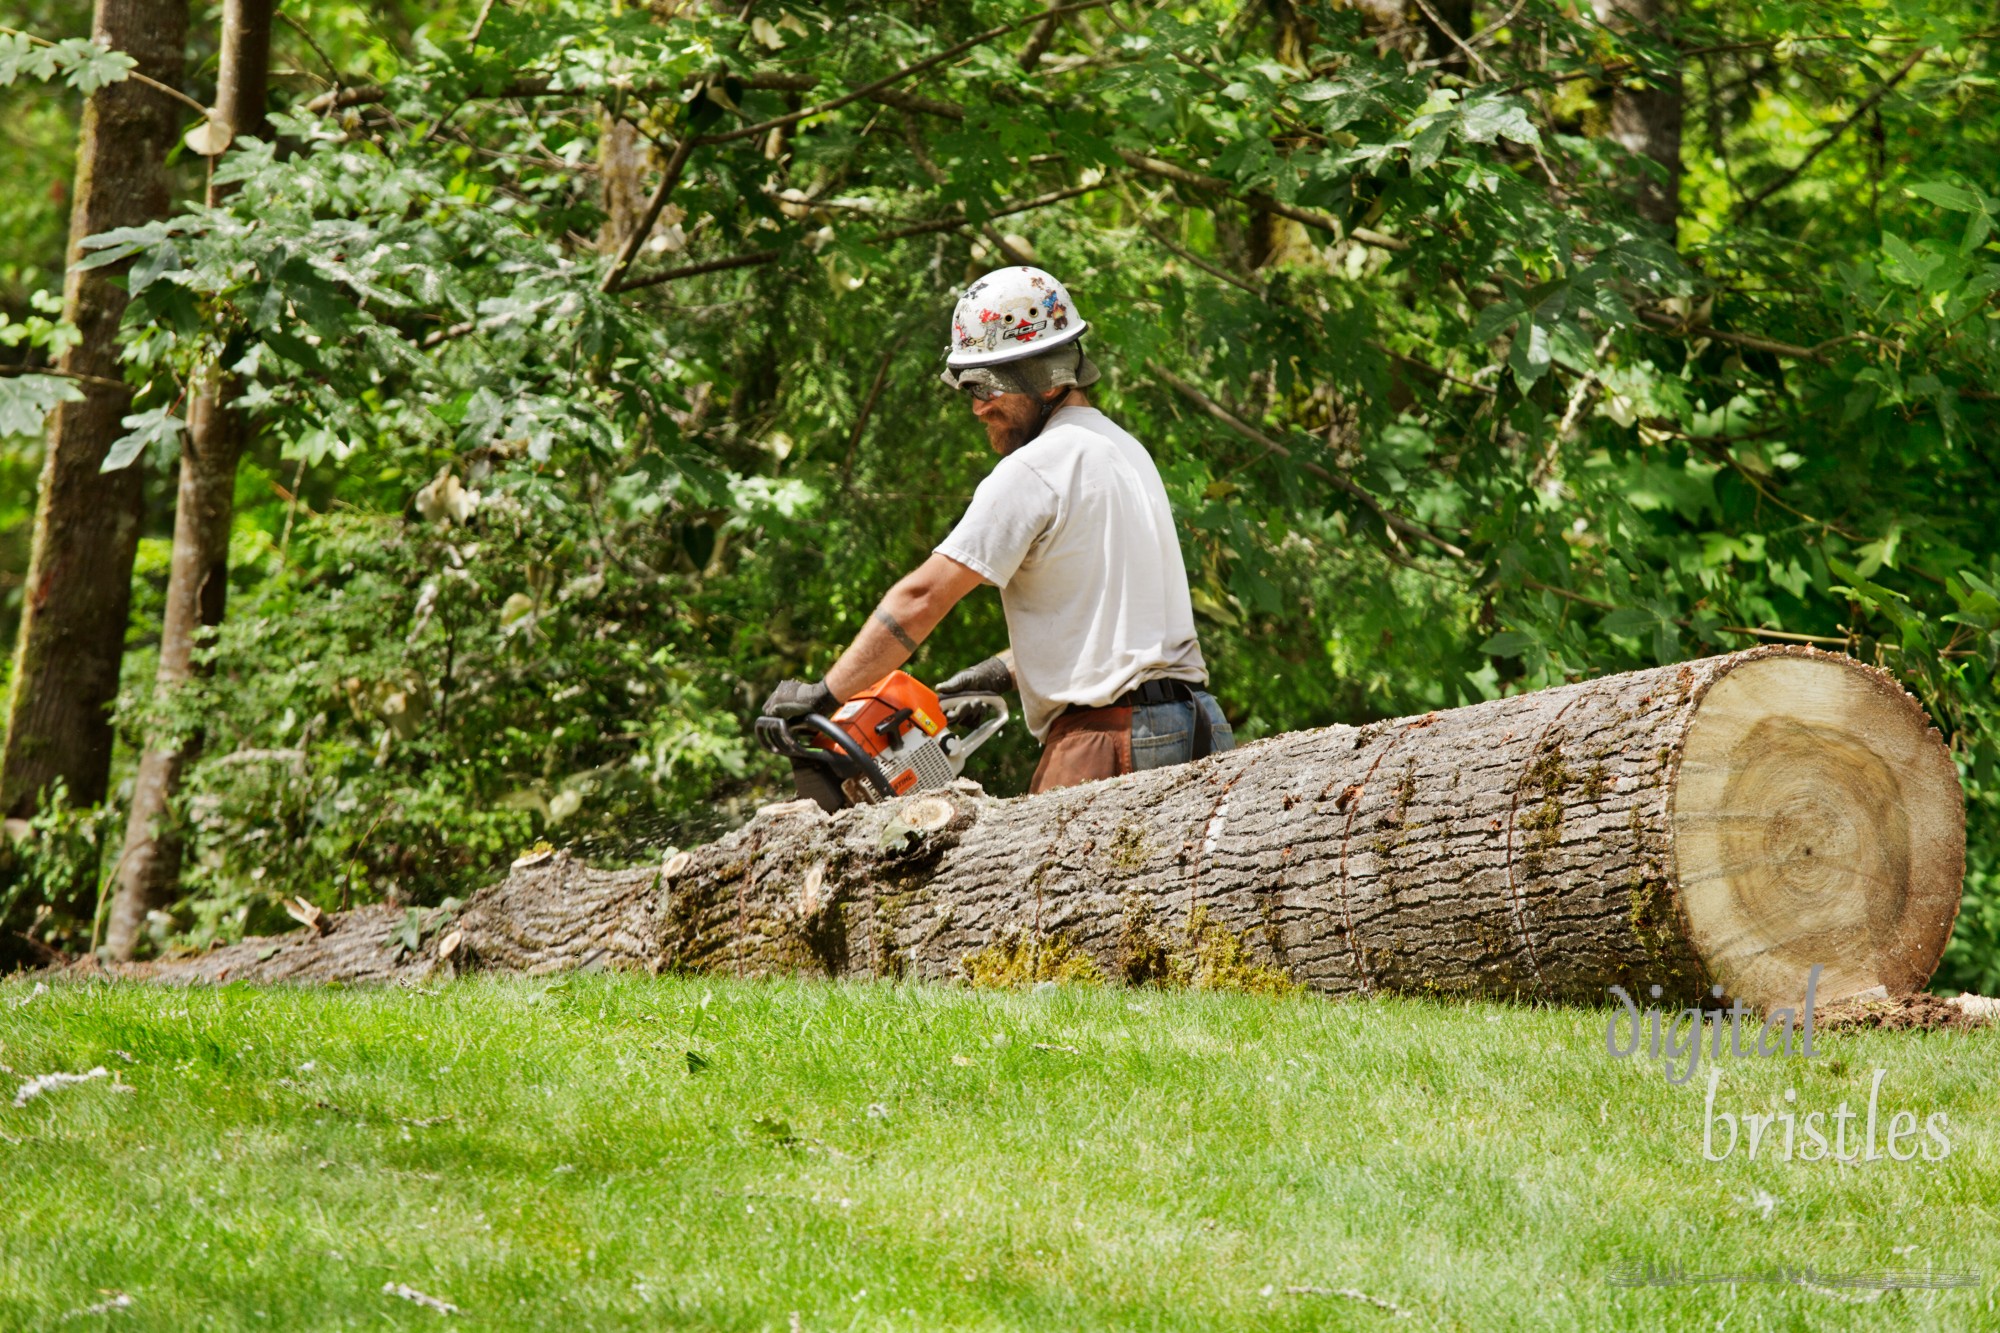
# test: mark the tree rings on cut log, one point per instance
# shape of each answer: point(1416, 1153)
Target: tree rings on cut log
point(927, 814)
point(1817, 818)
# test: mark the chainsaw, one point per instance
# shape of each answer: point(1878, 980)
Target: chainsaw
point(891, 739)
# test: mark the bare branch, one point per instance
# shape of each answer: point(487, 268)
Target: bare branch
point(339, 99)
point(868, 406)
point(152, 83)
point(1038, 44)
point(305, 33)
point(543, 85)
point(695, 270)
point(1257, 199)
point(1394, 521)
point(1902, 72)
point(1755, 342)
point(952, 224)
point(929, 106)
point(12, 372)
point(479, 24)
point(907, 72)
point(644, 227)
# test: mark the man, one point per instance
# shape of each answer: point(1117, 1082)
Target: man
point(1073, 526)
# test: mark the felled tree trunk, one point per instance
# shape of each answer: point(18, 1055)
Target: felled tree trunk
point(1734, 820)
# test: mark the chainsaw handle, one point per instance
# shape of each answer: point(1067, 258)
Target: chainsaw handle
point(960, 748)
point(776, 735)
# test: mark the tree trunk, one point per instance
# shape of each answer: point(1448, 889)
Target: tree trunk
point(79, 586)
point(1646, 121)
point(198, 577)
point(621, 171)
point(1729, 821)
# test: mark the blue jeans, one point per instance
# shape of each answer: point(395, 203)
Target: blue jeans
point(1163, 734)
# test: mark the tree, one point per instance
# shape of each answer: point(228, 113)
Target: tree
point(198, 584)
point(71, 640)
point(1463, 426)
point(1646, 111)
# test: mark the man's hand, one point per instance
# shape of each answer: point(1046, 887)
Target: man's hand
point(993, 676)
point(796, 698)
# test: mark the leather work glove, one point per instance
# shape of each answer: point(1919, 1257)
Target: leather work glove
point(796, 698)
point(989, 677)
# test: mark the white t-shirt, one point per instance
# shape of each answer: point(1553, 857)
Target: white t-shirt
point(1075, 530)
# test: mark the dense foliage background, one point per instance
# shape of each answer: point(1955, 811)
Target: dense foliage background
point(526, 533)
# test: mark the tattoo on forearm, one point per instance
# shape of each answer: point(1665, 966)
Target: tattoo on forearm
point(890, 623)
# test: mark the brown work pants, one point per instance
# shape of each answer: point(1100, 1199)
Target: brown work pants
point(1084, 745)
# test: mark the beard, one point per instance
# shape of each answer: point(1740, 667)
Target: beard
point(1005, 434)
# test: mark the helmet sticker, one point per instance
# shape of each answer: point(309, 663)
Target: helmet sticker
point(1009, 313)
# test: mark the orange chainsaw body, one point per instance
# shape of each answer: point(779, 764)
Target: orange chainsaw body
point(881, 716)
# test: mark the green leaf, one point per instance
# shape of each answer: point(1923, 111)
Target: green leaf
point(1978, 226)
point(19, 56)
point(1428, 145)
point(146, 270)
point(411, 931)
point(1508, 643)
point(1880, 552)
point(1494, 319)
point(314, 444)
point(1950, 196)
point(158, 426)
point(1488, 118)
point(1629, 622)
point(1908, 264)
point(1531, 354)
point(27, 400)
point(296, 350)
point(94, 66)
point(1973, 581)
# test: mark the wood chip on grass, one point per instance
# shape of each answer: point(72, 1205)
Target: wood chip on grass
point(1349, 1292)
point(42, 1083)
point(416, 1297)
point(113, 1300)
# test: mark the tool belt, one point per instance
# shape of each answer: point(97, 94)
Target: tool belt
point(1166, 692)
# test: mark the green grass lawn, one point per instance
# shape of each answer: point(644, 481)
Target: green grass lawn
point(619, 1152)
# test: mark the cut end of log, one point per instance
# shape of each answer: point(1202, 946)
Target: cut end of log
point(927, 814)
point(1817, 819)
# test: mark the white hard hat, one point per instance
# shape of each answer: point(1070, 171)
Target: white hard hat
point(1009, 314)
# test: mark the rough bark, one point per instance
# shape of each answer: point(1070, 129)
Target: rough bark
point(197, 588)
point(149, 869)
point(1542, 846)
point(1646, 118)
point(71, 639)
point(621, 166)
